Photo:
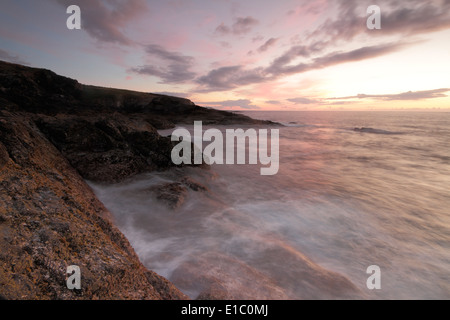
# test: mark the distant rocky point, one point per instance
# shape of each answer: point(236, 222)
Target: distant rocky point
point(40, 91)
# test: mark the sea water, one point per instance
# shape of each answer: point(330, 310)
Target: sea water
point(354, 189)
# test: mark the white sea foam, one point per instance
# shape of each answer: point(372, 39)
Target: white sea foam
point(340, 203)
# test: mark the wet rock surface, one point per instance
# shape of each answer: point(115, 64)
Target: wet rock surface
point(216, 280)
point(174, 194)
point(108, 150)
point(50, 219)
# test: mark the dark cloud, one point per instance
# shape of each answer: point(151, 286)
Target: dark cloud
point(240, 26)
point(308, 7)
point(420, 18)
point(398, 18)
point(301, 51)
point(171, 67)
point(410, 95)
point(9, 57)
point(244, 25)
point(303, 101)
point(405, 96)
point(227, 78)
point(356, 55)
point(220, 78)
point(274, 102)
point(282, 65)
point(106, 20)
point(241, 103)
point(223, 29)
point(291, 12)
point(170, 74)
point(261, 38)
point(173, 57)
point(225, 44)
point(269, 43)
point(348, 23)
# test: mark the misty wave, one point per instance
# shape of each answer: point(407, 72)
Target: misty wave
point(207, 245)
point(340, 203)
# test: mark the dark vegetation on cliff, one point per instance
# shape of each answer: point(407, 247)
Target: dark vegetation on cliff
point(54, 133)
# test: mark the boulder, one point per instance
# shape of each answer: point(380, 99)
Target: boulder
point(193, 185)
point(108, 150)
point(172, 194)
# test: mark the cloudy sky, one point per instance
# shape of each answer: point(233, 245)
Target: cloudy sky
point(252, 54)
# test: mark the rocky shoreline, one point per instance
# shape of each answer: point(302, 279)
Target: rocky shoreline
point(56, 133)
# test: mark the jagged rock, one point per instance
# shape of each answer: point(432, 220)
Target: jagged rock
point(50, 218)
point(108, 150)
point(164, 287)
point(30, 89)
point(172, 194)
point(215, 291)
point(166, 104)
point(193, 185)
point(218, 281)
point(4, 157)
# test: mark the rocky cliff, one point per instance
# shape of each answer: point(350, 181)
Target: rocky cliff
point(54, 133)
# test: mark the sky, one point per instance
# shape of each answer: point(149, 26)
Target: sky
point(244, 55)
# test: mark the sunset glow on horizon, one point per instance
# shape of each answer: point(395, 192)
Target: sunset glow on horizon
point(248, 55)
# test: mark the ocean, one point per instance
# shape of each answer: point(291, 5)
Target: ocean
point(343, 200)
